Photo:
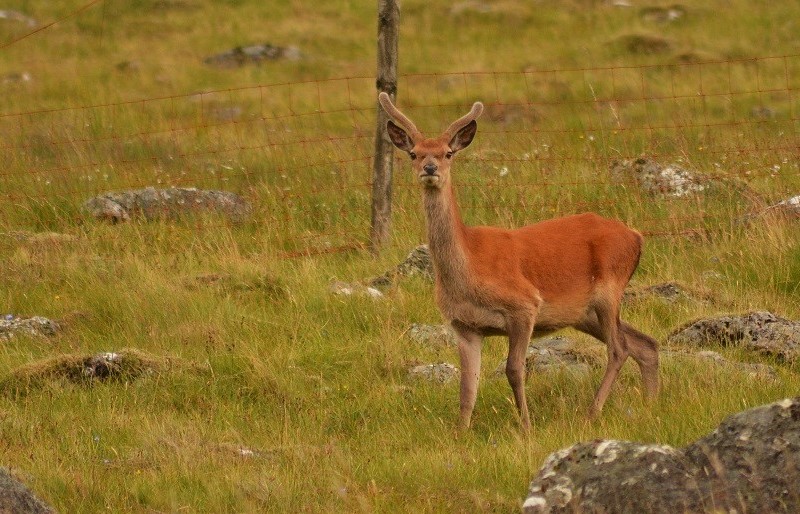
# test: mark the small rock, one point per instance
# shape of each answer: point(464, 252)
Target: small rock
point(440, 373)
point(171, 203)
point(789, 208)
point(16, 498)
point(644, 44)
point(663, 14)
point(668, 292)
point(102, 365)
point(15, 78)
point(552, 354)
point(350, 289)
point(417, 263)
point(671, 180)
point(431, 335)
point(37, 326)
point(760, 331)
point(254, 54)
point(762, 112)
point(17, 16)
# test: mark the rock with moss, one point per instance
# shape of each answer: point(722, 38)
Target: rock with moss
point(88, 369)
point(760, 331)
point(171, 203)
point(750, 463)
point(16, 498)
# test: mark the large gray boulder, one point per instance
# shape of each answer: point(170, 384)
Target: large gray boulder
point(170, 203)
point(750, 463)
point(16, 498)
point(759, 331)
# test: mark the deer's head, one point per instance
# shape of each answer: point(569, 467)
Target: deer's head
point(430, 158)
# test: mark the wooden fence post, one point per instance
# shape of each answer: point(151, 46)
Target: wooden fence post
point(388, 26)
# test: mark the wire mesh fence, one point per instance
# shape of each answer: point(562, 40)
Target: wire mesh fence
point(551, 142)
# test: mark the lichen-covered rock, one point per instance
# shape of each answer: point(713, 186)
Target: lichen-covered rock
point(440, 373)
point(16, 498)
point(760, 331)
point(656, 179)
point(170, 203)
point(751, 463)
point(553, 354)
point(613, 476)
point(253, 54)
point(37, 326)
point(417, 263)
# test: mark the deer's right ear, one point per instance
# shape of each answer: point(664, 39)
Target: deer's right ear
point(399, 137)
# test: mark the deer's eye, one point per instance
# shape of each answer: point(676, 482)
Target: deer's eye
point(449, 155)
point(413, 155)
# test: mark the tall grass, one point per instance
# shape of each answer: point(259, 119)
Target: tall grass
point(303, 403)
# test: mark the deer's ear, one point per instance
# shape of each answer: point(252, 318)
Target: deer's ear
point(464, 136)
point(399, 137)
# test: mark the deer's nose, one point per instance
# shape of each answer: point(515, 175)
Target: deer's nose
point(430, 168)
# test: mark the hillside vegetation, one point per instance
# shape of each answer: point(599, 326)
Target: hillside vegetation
point(254, 388)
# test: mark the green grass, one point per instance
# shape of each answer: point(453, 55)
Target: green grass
point(315, 385)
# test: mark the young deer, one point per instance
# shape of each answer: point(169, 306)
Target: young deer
point(565, 272)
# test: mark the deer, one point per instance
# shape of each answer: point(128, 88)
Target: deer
point(521, 283)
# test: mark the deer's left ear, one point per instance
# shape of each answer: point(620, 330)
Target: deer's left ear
point(399, 137)
point(464, 136)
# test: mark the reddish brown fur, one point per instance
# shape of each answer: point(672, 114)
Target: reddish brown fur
point(569, 271)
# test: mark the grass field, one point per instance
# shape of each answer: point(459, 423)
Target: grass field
point(278, 395)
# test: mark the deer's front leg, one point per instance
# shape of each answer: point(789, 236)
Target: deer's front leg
point(519, 336)
point(469, 349)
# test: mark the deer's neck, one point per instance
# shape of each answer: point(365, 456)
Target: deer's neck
point(446, 233)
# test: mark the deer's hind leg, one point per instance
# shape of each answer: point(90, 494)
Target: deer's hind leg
point(644, 350)
point(604, 324)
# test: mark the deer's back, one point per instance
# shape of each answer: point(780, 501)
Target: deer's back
point(561, 258)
